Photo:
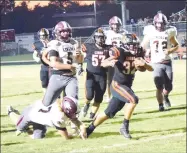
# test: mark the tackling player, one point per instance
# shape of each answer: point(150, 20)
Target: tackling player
point(96, 75)
point(129, 59)
point(39, 47)
point(57, 115)
point(162, 41)
point(113, 38)
point(64, 56)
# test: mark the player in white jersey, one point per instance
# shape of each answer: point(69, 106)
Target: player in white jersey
point(162, 42)
point(64, 55)
point(113, 38)
point(57, 115)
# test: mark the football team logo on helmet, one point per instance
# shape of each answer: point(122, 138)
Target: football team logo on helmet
point(69, 107)
point(43, 34)
point(63, 31)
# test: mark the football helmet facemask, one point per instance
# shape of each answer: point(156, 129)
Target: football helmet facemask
point(99, 37)
point(160, 21)
point(43, 34)
point(131, 43)
point(115, 23)
point(63, 31)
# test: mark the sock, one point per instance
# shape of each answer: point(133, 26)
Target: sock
point(90, 129)
point(92, 115)
point(161, 104)
point(125, 122)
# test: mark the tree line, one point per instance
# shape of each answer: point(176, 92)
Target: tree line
point(24, 20)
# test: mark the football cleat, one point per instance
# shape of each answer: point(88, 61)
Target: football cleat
point(10, 109)
point(125, 132)
point(167, 102)
point(161, 108)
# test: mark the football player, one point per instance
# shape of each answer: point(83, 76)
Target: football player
point(162, 41)
point(96, 75)
point(129, 59)
point(39, 47)
point(64, 56)
point(56, 115)
point(113, 37)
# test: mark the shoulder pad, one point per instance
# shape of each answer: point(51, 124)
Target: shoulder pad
point(172, 31)
point(148, 29)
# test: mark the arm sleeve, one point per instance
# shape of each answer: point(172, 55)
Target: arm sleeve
point(53, 53)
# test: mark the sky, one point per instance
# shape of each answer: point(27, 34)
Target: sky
point(32, 3)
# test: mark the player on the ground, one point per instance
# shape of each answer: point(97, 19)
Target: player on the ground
point(113, 38)
point(63, 58)
point(38, 47)
point(162, 41)
point(56, 115)
point(129, 59)
point(96, 75)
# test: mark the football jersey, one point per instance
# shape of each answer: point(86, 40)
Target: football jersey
point(39, 46)
point(124, 69)
point(52, 117)
point(159, 41)
point(66, 51)
point(113, 38)
point(94, 57)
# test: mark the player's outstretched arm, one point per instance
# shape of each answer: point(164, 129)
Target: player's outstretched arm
point(64, 133)
point(82, 128)
point(142, 62)
point(109, 62)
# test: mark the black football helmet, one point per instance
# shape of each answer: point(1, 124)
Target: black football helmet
point(69, 107)
point(131, 43)
point(43, 34)
point(99, 37)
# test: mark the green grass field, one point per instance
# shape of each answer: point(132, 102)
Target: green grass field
point(152, 131)
point(17, 58)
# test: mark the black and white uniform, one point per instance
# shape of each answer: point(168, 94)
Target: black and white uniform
point(61, 80)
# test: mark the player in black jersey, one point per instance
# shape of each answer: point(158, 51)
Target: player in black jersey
point(129, 58)
point(96, 74)
point(38, 48)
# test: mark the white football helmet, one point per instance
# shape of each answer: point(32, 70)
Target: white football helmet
point(160, 21)
point(115, 23)
point(63, 31)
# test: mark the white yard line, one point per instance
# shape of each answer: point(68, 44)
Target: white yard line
point(130, 142)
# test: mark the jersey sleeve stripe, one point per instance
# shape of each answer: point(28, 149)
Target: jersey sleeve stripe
point(116, 52)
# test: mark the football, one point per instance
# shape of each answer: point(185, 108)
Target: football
point(141, 68)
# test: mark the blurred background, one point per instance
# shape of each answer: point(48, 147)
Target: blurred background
point(20, 20)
